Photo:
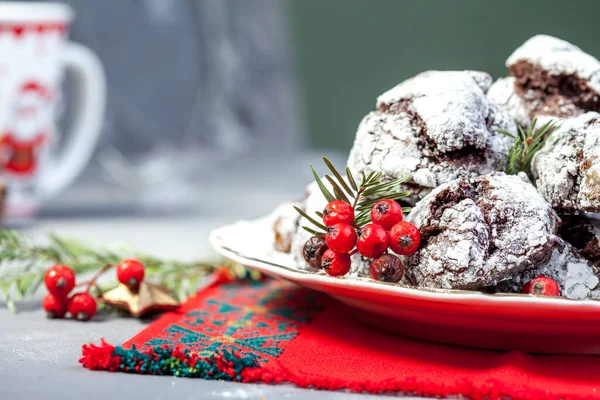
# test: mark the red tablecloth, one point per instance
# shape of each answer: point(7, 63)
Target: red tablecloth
point(273, 332)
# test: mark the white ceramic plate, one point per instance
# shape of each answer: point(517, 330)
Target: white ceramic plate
point(471, 319)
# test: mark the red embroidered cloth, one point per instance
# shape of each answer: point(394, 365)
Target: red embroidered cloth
point(274, 332)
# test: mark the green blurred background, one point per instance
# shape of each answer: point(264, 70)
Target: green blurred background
point(350, 51)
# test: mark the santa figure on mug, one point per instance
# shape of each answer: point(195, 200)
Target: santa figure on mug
point(27, 130)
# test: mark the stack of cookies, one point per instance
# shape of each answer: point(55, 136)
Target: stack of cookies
point(481, 228)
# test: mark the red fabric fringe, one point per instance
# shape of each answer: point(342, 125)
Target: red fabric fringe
point(97, 357)
point(102, 358)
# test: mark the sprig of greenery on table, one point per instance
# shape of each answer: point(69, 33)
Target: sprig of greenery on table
point(361, 197)
point(23, 264)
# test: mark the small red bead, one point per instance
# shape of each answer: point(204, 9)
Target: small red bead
point(55, 307)
point(372, 241)
point(405, 238)
point(386, 213)
point(542, 286)
point(59, 280)
point(130, 273)
point(341, 238)
point(336, 264)
point(338, 212)
point(82, 306)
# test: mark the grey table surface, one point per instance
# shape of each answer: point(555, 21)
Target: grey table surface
point(38, 357)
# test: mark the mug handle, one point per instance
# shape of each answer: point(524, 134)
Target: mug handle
point(88, 103)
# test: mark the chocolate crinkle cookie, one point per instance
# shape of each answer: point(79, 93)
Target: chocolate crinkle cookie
point(480, 231)
point(549, 76)
point(568, 165)
point(437, 126)
point(576, 276)
point(583, 233)
point(286, 224)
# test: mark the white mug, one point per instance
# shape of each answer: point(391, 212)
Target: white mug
point(34, 54)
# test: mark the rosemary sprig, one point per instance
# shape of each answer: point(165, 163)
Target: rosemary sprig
point(23, 264)
point(526, 145)
point(362, 197)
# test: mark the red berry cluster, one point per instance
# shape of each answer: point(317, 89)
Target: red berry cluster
point(60, 281)
point(343, 238)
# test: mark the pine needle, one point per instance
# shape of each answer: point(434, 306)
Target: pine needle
point(23, 265)
point(526, 145)
point(361, 198)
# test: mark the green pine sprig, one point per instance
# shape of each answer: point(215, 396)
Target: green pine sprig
point(526, 144)
point(361, 197)
point(23, 264)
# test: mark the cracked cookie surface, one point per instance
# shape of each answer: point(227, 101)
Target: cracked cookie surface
point(479, 231)
point(568, 166)
point(436, 127)
point(576, 276)
point(583, 232)
point(549, 76)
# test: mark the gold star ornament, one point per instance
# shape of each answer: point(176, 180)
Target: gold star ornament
point(149, 298)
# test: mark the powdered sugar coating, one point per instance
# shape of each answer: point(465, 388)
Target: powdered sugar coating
point(450, 103)
point(503, 94)
point(436, 126)
point(568, 166)
point(576, 276)
point(479, 231)
point(558, 56)
point(482, 79)
point(549, 77)
point(523, 105)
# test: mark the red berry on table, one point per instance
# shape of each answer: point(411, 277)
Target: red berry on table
point(130, 273)
point(386, 213)
point(338, 212)
point(59, 280)
point(82, 306)
point(55, 307)
point(336, 264)
point(542, 286)
point(387, 268)
point(405, 238)
point(341, 238)
point(313, 251)
point(372, 240)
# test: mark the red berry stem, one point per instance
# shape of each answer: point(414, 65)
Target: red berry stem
point(360, 191)
point(92, 282)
